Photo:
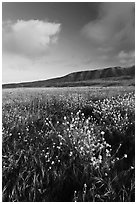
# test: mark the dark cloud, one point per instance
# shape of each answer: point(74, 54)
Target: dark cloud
point(113, 32)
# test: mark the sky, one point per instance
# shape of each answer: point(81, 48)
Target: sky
point(42, 40)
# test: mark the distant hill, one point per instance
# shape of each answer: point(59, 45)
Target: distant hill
point(106, 77)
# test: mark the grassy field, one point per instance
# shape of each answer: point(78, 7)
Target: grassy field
point(68, 144)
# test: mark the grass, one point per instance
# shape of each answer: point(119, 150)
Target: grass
point(68, 144)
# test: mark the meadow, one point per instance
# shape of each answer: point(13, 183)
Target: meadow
point(68, 144)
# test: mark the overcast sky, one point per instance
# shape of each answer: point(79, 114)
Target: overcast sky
point(46, 40)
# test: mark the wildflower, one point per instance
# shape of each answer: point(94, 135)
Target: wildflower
point(108, 145)
point(88, 132)
point(71, 125)
point(75, 196)
point(107, 151)
point(87, 121)
point(52, 162)
point(125, 155)
point(85, 185)
point(102, 133)
point(70, 154)
point(100, 158)
point(27, 129)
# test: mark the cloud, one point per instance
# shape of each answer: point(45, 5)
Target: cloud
point(113, 32)
point(30, 38)
point(126, 58)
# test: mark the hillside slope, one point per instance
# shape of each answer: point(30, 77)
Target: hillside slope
point(93, 77)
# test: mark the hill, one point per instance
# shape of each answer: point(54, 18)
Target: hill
point(105, 77)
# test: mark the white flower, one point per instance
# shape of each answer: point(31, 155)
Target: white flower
point(70, 154)
point(125, 155)
point(85, 185)
point(102, 132)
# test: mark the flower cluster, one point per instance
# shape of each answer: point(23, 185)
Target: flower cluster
point(52, 135)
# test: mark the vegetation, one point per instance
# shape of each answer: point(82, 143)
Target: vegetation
point(68, 144)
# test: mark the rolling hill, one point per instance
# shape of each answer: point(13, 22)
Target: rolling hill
point(105, 77)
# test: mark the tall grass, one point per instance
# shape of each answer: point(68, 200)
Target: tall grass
point(68, 146)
